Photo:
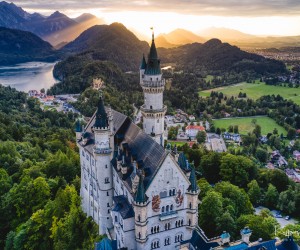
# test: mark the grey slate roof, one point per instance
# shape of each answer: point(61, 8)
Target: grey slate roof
point(123, 207)
point(148, 153)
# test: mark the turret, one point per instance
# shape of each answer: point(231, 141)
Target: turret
point(78, 130)
point(153, 110)
point(103, 154)
point(192, 199)
point(246, 234)
point(140, 210)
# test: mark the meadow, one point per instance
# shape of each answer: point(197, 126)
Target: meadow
point(246, 124)
point(256, 90)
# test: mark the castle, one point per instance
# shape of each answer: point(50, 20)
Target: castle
point(141, 195)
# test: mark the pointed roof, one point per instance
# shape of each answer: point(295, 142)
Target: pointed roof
point(193, 180)
point(143, 63)
point(140, 196)
point(78, 126)
point(101, 120)
point(153, 64)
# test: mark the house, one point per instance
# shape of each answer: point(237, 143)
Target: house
point(192, 130)
point(296, 155)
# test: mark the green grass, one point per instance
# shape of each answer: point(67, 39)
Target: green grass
point(178, 143)
point(254, 91)
point(245, 124)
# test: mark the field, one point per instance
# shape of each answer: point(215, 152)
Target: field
point(246, 125)
point(254, 91)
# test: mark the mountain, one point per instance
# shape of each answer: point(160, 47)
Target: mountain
point(71, 32)
point(18, 46)
point(225, 34)
point(244, 40)
point(179, 37)
point(110, 42)
point(56, 28)
point(215, 55)
point(161, 41)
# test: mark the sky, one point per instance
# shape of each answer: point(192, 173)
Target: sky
point(259, 17)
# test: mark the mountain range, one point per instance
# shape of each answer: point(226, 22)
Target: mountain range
point(56, 28)
point(17, 46)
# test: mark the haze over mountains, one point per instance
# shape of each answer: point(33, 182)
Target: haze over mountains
point(56, 28)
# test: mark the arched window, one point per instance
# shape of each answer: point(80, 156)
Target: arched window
point(176, 224)
point(169, 225)
point(163, 209)
point(189, 222)
point(171, 207)
point(151, 107)
point(139, 218)
point(174, 191)
point(152, 230)
point(170, 192)
point(181, 222)
point(157, 228)
point(139, 235)
point(167, 208)
point(190, 205)
point(180, 237)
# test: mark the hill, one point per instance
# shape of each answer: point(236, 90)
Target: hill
point(178, 37)
point(110, 43)
point(18, 46)
point(215, 55)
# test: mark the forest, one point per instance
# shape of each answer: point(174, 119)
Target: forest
point(39, 178)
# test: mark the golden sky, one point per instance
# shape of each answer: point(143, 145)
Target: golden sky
point(259, 17)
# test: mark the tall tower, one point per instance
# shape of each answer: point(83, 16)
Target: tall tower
point(103, 155)
point(153, 110)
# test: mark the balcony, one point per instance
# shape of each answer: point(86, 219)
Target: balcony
point(151, 84)
point(143, 109)
point(102, 151)
point(168, 215)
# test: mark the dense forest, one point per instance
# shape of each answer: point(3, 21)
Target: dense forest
point(231, 185)
point(39, 179)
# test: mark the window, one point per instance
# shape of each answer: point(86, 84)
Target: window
point(174, 191)
point(190, 205)
point(140, 235)
point(167, 208)
point(116, 218)
point(107, 193)
point(105, 166)
point(163, 209)
point(170, 192)
point(171, 207)
point(151, 107)
point(155, 244)
point(167, 241)
point(108, 211)
point(139, 218)
point(107, 204)
point(106, 180)
point(189, 222)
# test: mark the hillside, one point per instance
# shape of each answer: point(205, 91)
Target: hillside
point(112, 43)
point(18, 46)
point(215, 55)
point(178, 37)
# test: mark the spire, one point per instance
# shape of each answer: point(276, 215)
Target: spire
point(101, 116)
point(78, 126)
point(143, 63)
point(153, 64)
point(193, 187)
point(140, 196)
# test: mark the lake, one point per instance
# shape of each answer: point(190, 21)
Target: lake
point(28, 76)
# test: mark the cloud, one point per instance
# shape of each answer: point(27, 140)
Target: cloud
point(195, 7)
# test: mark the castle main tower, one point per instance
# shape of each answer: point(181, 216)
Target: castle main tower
point(153, 110)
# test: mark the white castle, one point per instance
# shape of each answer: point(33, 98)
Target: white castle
point(141, 195)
